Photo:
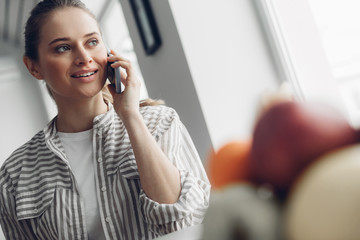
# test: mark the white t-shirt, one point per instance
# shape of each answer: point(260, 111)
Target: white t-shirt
point(79, 151)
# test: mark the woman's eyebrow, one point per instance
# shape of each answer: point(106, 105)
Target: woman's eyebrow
point(59, 40)
point(64, 39)
point(91, 34)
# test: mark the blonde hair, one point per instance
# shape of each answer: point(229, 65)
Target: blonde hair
point(145, 102)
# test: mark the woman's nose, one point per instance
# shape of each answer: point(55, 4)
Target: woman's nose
point(83, 58)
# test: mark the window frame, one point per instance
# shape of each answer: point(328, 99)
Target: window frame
point(298, 52)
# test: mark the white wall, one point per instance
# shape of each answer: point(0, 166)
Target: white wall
point(229, 60)
point(22, 108)
point(216, 73)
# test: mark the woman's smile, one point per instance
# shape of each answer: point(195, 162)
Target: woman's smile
point(85, 75)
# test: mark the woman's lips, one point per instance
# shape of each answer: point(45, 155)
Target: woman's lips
point(85, 75)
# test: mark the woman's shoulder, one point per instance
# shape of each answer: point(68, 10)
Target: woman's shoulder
point(158, 112)
point(26, 152)
point(159, 118)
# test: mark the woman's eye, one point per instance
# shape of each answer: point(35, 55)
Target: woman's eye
point(62, 49)
point(93, 42)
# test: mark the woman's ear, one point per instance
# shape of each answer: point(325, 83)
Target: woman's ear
point(32, 68)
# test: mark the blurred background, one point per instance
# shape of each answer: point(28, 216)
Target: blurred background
point(215, 61)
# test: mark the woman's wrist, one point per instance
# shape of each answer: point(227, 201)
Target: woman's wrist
point(131, 118)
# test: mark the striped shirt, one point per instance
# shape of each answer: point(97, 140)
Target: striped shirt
point(40, 199)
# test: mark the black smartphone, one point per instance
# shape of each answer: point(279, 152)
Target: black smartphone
point(114, 76)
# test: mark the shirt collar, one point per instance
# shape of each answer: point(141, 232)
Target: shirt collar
point(101, 121)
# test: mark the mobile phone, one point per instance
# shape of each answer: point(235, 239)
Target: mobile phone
point(114, 76)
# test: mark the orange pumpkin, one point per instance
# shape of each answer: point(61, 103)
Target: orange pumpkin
point(229, 164)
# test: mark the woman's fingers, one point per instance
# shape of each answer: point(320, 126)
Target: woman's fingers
point(119, 61)
point(116, 57)
point(124, 64)
point(123, 77)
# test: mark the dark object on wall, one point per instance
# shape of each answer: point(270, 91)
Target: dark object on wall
point(146, 25)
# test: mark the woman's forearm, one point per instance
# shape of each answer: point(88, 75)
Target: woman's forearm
point(159, 178)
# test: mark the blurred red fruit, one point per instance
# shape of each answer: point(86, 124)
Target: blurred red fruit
point(290, 135)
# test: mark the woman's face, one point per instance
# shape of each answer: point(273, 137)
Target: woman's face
point(72, 56)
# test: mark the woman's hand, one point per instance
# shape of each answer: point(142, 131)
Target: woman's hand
point(159, 178)
point(126, 104)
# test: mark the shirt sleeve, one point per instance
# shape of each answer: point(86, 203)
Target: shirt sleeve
point(193, 201)
point(12, 228)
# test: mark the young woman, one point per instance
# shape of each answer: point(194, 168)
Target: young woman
point(100, 169)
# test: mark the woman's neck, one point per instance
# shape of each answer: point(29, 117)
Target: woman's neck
point(78, 116)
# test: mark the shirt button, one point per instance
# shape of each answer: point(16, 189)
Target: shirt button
point(108, 219)
point(103, 189)
point(35, 210)
point(100, 159)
